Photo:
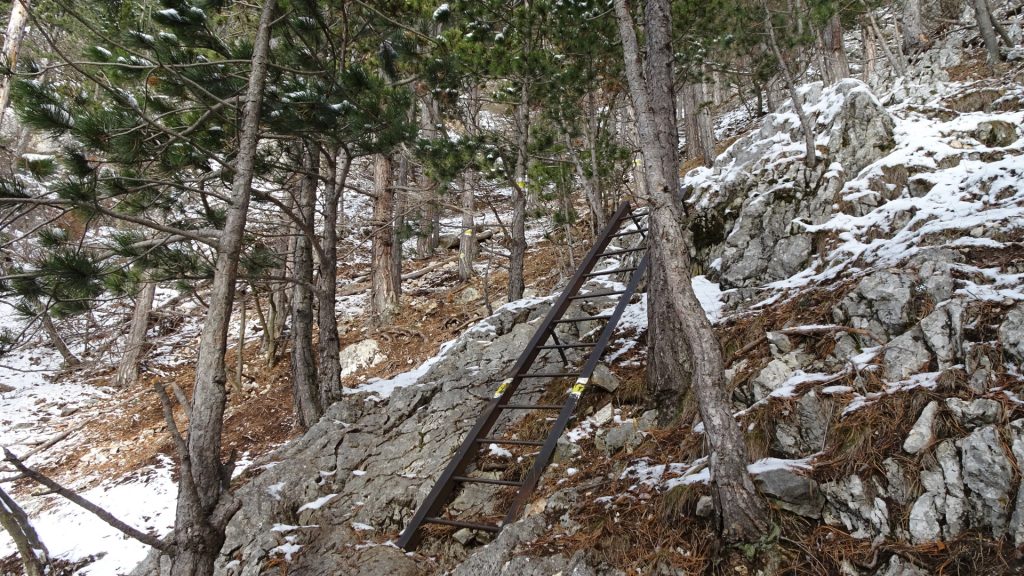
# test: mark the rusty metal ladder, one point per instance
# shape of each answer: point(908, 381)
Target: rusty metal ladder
point(430, 511)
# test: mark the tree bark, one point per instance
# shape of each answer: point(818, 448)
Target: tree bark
point(700, 135)
point(385, 282)
point(467, 240)
point(983, 15)
point(329, 343)
point(833, 51)
point(517, 247)
point(12, 45)
point(673, 310)
point(204, 505)
point(55, 338)
point(34, 557)
point(915, 35)
point(128, 368)
point(870, 52)
point(427, 240)
point(305, 391)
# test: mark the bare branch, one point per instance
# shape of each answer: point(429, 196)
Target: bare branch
point(100, 513)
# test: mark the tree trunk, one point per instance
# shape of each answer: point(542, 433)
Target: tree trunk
point(384, 281)
point(870, 52)
point(700, 135)
point(329, 342)
point(305, 391)
point(128, 368)
point(594, 190)
point(987, 31)
point(30, 548)
point(467, 240)
point(517, 258)
point(811, 158)
point(204, 505)
point(51, 331)
point(833, 51)
point(672, 303)
point(915, 36)
point(427, 239)
point(896, 61)
point(12, 45)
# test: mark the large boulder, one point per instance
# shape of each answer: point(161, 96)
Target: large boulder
point(756, 201)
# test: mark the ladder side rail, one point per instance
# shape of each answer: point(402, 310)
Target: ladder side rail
point(542, 458)
point(466, 453)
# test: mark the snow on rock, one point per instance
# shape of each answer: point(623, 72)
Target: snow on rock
point(318, 503)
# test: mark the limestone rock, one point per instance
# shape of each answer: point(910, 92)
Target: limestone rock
point(943, 333)
point(792, 491)
point(626, 436)
point(604, 379)
point(879, 304)
point(988, 475)
point(922, 434)
point(1011, 334)
point(359, 355)
point(995, 133)
point(905, 356)
point(771, 377)
point(858, 505)
point(975, 413)
point(802, 432)
point(899, 567)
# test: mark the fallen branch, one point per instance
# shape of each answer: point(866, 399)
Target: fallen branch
point(100, 513)
point(827, 329)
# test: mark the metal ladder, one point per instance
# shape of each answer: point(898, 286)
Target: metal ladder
point(430, 511)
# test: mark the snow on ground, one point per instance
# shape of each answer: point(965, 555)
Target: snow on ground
point(144, 500)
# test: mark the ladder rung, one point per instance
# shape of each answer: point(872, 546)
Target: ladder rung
point(547, 375)
point(628, 232)
point(617, 252)
point(510, 442)
point(636, 214)
point(582, 319)
point(530, 406)
point(597, 294)
point(461, 524)
point(610, 272)
point(470, 479)
point(564, 346)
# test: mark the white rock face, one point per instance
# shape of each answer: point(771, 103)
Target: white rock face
point(363, 354)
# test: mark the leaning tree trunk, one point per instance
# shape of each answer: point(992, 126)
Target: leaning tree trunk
point(58, 342)
point(385, 284)
point(204, 504)
point(326, 288)
point(12, 45)
point(34, 557)
point(811, 158)
point(672, 303)
point(305, 391)
point(128, 368)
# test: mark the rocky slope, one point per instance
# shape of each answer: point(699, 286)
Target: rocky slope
point(874, 324)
